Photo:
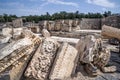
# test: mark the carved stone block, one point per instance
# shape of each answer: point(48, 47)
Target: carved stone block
point(64, 62)
point(41, 62)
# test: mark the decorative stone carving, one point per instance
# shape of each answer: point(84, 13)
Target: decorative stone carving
point(42, 61)
point(15, 50)
point(65, 62)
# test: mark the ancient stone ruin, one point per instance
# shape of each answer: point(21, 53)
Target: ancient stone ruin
point(60, 50)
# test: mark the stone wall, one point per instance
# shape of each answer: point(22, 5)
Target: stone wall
point(71, 25)
point(18, 22)
point(90, 23)
point(113, 21)
point(77, 24)
point(60, 25)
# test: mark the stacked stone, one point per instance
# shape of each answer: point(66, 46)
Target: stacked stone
point(18, 22)
point(51, 26)
point(110, 32)
point(61, 25)
point(45, 33)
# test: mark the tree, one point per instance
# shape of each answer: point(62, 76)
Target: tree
point(106, 14)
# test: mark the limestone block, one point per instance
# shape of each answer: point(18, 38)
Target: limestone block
point(71, 23)
point(77, 22)
point(45, 33)
point(41, 63)
point(85, 47)
point(34, 38)
point(45, 25)
point(5, 39)
point(64, 62)
point(13, 57)
point(102, 58)
point(14, 46)
point(65, 22)
point(72, 41)
point(17, 22)
point(15, 71)
point(6, 31)
point(65, 28)
point(57, 26)
point(110, 32)
point(76, 28)
point(51, 25)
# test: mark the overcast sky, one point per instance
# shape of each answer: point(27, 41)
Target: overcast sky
point(38, 7)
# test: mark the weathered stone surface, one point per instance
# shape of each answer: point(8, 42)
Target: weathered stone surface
point(10, 31)
point(85, 48)
point(16, 55)
point(57, 26)
point(45, 33)
point(93, 53)
point(34, 38)
point(77, 33)
point(5, 40)
point(15, 71)
point(51, 26)
point(41, 62)
point(101, 58)
point(6, 31)
point(45, 25)
point(110, 32)
point(109, 69)
point(64, 62)
point(65, 22)
point(72, 41)
point(18, 22)
point(14, 46)
point(34, 29)
point(90, 23)
point(65, 27)
point(91, 69)
point(113, 21)
point(14, 51)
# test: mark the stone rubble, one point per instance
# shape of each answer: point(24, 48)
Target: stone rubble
point(33, 56)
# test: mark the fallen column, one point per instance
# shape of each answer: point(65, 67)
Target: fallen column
point(110, 32)
point(64, 63)
point(68, 40)
point(41, 63)
point(45, 33)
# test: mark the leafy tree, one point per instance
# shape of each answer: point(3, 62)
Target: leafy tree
point(55, 16)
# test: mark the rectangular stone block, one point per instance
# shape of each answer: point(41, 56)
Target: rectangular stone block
point(40, 65)
point(15, 71)
point(64, 63)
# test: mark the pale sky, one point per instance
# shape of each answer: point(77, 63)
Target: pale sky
point(38, 7)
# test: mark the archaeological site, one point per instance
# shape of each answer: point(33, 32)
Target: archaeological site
point(63, 49)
